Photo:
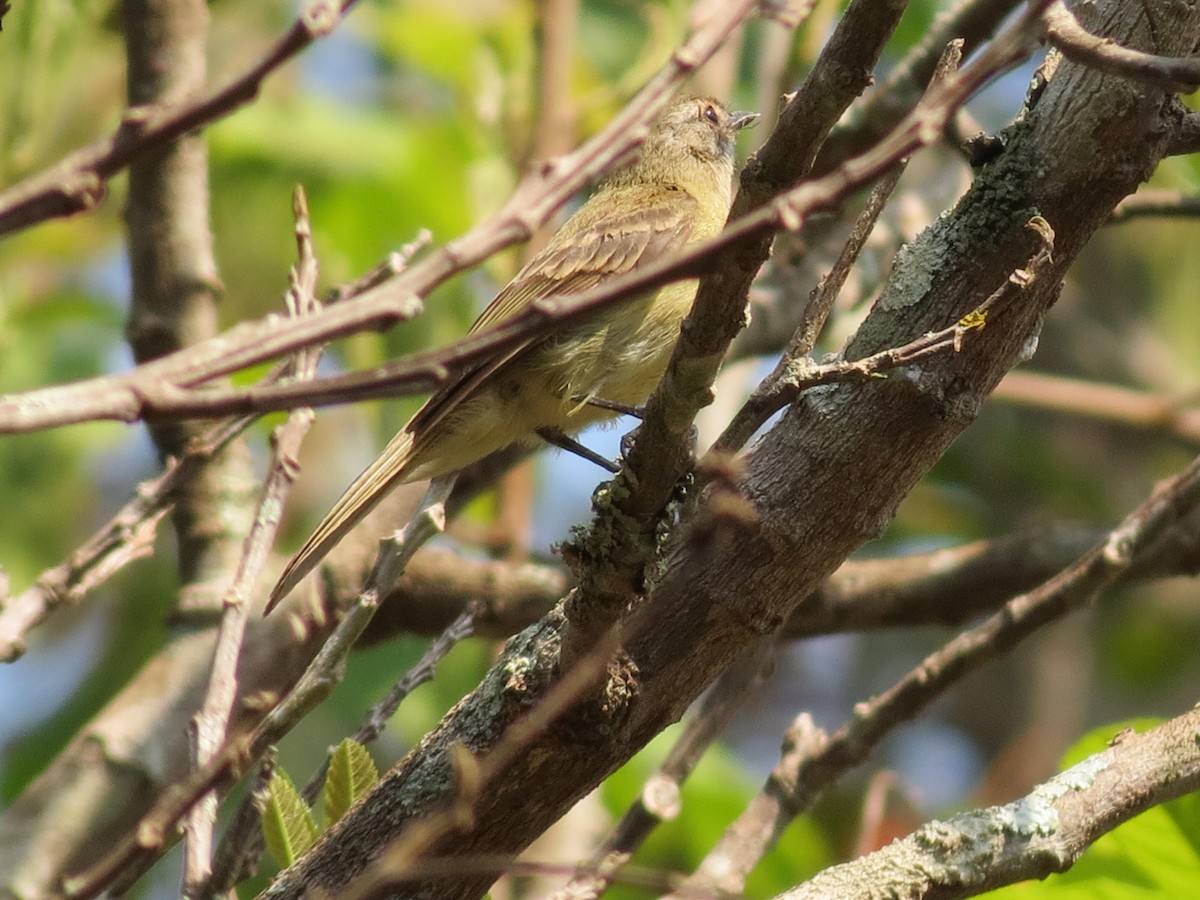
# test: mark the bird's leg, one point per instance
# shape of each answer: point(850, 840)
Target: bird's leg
point(613, 406)
point(558, 439)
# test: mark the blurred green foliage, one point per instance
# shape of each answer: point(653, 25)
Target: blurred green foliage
point(711, 799)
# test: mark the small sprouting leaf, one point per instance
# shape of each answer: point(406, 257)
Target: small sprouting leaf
point(977, 318)
point(352, 773)
point(288, 824)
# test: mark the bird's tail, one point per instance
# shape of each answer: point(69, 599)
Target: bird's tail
point(387, 471)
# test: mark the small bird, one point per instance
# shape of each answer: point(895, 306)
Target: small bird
point(676, 192)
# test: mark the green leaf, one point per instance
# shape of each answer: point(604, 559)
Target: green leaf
point(1153, 855)
point(711, 798)
point(352, 773)
point(288, 824)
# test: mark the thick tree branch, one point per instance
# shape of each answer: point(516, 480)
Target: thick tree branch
point(1042, 833)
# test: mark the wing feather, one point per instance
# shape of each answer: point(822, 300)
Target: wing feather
point(592, 246)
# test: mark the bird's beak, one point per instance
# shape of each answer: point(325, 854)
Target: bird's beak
point(740, 120)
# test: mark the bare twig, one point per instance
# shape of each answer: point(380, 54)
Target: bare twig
point(797, 374)
point(377, 718)
point(1179, 74)
point(210, 725)
point(154, 390)
point(750, 417)
point(77, 183)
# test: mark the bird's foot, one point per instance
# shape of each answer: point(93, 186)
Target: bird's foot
point(562, 441)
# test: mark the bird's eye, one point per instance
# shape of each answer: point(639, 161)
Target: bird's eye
point(710, 113)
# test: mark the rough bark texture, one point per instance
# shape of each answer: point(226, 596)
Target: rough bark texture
point(827, 478)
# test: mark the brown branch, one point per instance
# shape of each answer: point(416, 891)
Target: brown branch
point(1174, 417)
point(77, 183)
point(763, 401)
point(1042, 833)
point(155, 389)
point(209, 727)
point(1178, 74)
point(801, 778)
point(659, 800)
point(1160, 203)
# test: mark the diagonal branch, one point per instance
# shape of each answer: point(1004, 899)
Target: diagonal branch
point(78, 182)
point(1041, 833)
point(1178, 74)
point(144, 391)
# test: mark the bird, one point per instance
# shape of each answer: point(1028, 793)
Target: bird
point(677, 191)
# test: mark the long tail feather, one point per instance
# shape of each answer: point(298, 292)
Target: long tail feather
point(387, 471)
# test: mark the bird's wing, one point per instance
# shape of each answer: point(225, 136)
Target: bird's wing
point(585, 252)
point(590, 247)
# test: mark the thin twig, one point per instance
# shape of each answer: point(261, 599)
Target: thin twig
point(659, 800)
point(377, 717)
point(209, 727)
point(1178, 74)
point(77, 183)
point(798, 374)
point(163, 388)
